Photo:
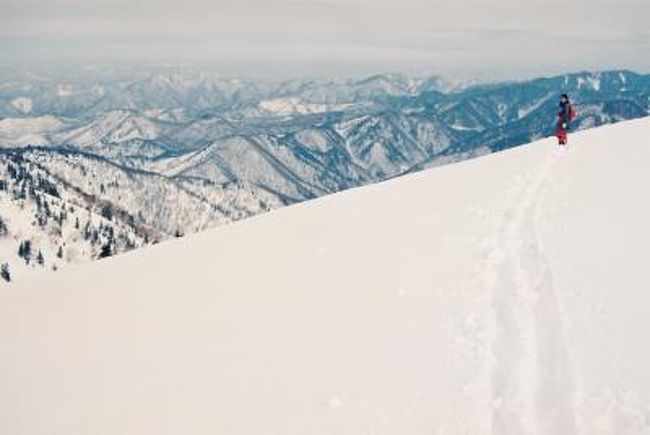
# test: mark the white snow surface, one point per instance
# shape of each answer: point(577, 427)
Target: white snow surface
point(502, 295)
point(593, 82)
point(295, 106)
point(525, 111)
point(14, 127)
point(23, 104)
point(29, 130)
point(64, 90)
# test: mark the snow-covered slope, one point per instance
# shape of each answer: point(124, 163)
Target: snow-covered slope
point(69, 207)
point(506, 294)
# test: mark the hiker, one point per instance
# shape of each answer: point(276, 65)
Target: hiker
point(565, 115)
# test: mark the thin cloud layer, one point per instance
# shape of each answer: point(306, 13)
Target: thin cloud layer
point(501, 37)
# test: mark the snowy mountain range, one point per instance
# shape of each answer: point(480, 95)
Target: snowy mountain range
point(501, 295)
point(168, 152)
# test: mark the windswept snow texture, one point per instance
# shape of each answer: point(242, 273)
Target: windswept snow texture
point(502, 295)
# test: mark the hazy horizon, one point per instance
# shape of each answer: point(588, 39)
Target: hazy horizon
point(279, 39)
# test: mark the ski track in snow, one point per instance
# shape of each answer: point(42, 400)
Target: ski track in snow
point(530, 372)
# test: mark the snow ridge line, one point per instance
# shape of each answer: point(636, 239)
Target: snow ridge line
point(531, 382)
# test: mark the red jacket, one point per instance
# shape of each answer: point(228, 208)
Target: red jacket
point(566, 114)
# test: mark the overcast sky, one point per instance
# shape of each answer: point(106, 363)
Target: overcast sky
point(288, 38)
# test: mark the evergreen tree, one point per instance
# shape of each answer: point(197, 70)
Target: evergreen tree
point(22, 194)
point(39, 258)
point(42, 219)
point(3, 228)
point(105, 251)
point(107, 212)
point(59, 252)
point(5, 274)
point(25, 250)
point(62, 217)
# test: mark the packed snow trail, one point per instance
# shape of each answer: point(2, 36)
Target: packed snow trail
point(531, 379)
point(502, 295)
